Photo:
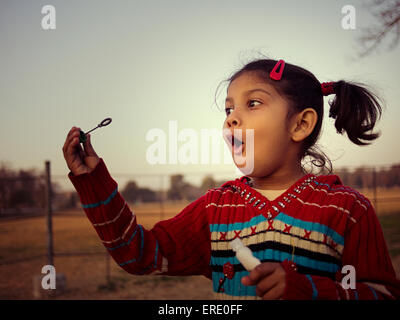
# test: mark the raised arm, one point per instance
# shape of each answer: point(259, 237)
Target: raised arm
point(178, 246)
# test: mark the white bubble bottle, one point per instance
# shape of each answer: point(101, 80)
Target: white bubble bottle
point(244, 254)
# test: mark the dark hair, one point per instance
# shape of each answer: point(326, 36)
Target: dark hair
point(354, 108)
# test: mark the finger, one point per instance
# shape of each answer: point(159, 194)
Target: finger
point(66, 139)
point(70, 144)
point(266, 284)
point(73, 147)
point(71, 134)
point(258, 273)
point(274, 293)
point(72, 131)
point(88, 146)
point(247, 281)
point(262, 270)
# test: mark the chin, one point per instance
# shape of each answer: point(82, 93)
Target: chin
point(247, 168)
point(258, 173)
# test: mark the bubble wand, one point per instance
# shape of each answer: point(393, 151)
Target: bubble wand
point(82, 135)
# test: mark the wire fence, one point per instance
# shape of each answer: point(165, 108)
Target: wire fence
point(43, 197)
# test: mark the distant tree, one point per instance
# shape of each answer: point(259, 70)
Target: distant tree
point(180, 189)
point(20, 198)
point(69, 201)
point(192, 192)
point(177, 185)
point(387, 14)
point(25, 187)
point(7, 181)
point(207, 183)
point(22, 189)
point(132, 193)
point(356, 178)
point(344, 175)
point(392, 176)
point(129, 193)
point(146, 195)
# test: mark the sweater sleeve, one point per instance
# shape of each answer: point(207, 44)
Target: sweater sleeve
point(365, 249)
point(177, 246)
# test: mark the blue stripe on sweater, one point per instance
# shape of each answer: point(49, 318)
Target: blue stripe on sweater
point(127, 262)
point(141, 242)
point(94, 205)
point(374, 292)
point(271, 254)
point(314, 288)
point(322, 184)
point(125, 243)
point(155, 258)
point(141, 249)
point(311, 226)
point(238, 225)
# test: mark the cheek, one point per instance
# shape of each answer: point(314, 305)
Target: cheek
point(272, 137)
point(270, 150)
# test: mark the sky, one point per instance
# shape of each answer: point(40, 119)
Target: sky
point(147, 63)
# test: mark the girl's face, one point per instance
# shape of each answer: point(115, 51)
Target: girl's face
point(253, 104)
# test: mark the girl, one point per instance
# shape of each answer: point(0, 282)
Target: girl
point(303, 228)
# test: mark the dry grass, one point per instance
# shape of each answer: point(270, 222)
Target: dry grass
point(86, 274)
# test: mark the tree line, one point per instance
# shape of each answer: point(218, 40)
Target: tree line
point(367, 178)
point(24, 190)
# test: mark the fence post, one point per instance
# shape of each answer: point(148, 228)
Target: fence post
point(49, 215)
point(38, 290)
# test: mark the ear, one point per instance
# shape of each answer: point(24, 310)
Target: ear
point(303, 124)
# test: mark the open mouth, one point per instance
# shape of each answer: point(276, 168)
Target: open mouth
point(236, 144)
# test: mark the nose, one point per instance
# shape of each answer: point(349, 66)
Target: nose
point(233, 120)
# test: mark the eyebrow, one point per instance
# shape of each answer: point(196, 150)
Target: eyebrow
point(229, 99)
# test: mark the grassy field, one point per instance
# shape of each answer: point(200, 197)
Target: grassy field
point(86, 274)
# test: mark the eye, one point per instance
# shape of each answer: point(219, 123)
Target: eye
point(227, 111)
point(251, 101)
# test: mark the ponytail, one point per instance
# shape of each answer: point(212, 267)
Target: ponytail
point(355, 110)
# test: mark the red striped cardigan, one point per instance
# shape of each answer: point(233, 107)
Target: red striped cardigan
point(317, 225)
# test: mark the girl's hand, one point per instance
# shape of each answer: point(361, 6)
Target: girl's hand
point(270, 278)
point(79, 161)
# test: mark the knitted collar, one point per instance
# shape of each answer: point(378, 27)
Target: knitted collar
point(268, 208)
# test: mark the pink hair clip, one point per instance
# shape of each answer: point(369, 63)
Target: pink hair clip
point(274, 75)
